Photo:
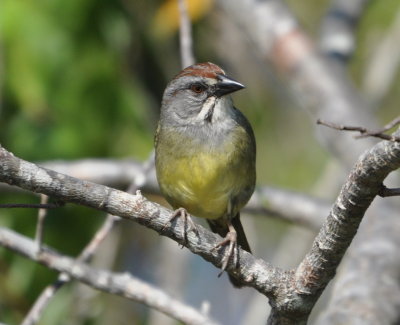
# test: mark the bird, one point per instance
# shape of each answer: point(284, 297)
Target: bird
point(205, 153)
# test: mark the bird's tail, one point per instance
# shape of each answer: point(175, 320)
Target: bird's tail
point(220, 227)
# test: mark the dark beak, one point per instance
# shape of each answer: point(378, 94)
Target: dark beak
point(226, 86)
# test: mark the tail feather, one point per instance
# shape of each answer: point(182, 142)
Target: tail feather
point(220, 227)
point(241, 236)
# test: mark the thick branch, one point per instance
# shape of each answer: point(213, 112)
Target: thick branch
point(363, 184)
point(368, 279)
point(292, 294)
point(276, 202)
point(327, 93)
point(252, 272)
point(122, 284)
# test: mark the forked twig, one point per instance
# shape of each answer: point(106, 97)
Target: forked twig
point(364, 132)
point(384, 192)
point(387, 127)
point(49, 292)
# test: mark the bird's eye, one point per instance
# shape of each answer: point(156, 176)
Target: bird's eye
point(197, 88)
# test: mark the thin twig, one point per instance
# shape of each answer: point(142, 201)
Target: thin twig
point(122, 284)
point(40, 222)
point(387, 127)
point(185, 35)
point(49, 292)
point(386, 192)
point(141, 178)
point(364, 131)
point(29, 205)
point(42, 301)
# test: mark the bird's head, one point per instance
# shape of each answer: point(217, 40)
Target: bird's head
point(198, 94)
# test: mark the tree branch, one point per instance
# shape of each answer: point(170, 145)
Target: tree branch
point(29, 205)
point(364, 132)
point(255, 273)
point(49, 292)
point(363, 184)
point(283, 204)
point(185, 35)
point(387, 192)
point(122, 284)
point(292, 294)
point(288, 205)
point(40, 222)
point(319, 266)
point(88, 252)
point(112, 172)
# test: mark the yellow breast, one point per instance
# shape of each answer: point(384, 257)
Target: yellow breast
point(204, 181)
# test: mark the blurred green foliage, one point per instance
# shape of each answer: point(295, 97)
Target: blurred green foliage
point(84, 78)
point(69, 91)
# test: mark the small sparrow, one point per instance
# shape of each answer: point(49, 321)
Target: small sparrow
point(205, 153)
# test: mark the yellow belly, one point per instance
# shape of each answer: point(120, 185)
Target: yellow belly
point(205, 183)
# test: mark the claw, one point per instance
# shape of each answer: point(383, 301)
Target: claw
point(232, 251)
point(187, 222)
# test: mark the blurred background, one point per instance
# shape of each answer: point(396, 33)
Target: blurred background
point(84, 79)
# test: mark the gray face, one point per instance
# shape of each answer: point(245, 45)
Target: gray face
point(184, 97)
point(191, 99)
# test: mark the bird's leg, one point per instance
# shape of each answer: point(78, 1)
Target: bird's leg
point(187, 222)
point(231, 240)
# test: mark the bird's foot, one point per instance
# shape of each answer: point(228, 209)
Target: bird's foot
point(230, 240)
point(188, 223)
